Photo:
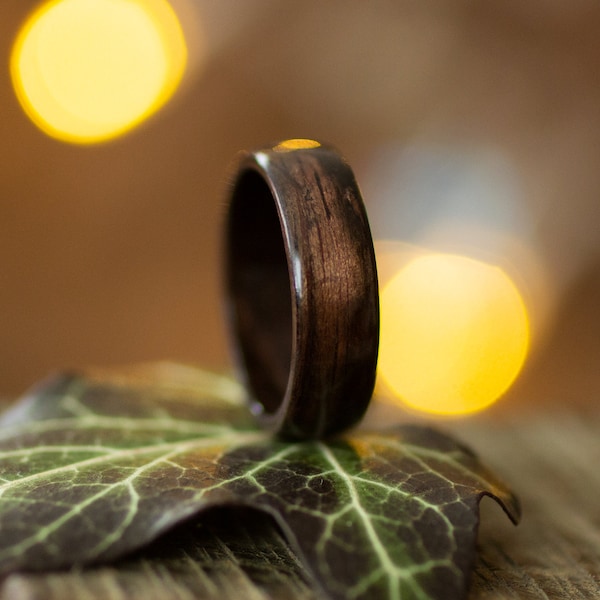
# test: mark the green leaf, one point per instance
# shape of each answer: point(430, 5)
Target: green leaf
point(226, 554)
point(94, 467)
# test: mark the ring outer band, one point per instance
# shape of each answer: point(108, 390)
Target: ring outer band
point(333, 326)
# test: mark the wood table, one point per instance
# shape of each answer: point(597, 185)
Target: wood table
point(553, 462)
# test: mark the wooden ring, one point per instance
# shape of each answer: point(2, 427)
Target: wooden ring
point(302, 291)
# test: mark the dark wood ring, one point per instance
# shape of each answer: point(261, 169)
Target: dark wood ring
point(302, 289)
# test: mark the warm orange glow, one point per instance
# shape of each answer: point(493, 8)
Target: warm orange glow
point(296, 144)
point(88, 70)
point(455, 334)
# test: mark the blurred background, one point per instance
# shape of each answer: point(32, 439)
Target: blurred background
point(473, 129)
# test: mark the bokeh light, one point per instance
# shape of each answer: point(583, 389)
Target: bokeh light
point(454, 336)
point(86, 71)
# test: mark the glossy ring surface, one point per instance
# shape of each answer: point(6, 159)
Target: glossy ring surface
point(301, 285)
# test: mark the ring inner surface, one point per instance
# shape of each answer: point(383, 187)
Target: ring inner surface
point(259, 289)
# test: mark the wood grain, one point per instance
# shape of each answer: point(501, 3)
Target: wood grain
point(302, 289)
point(552, 463)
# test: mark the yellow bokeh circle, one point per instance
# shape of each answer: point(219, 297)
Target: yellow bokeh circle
point(88, 70)
point(454, 336)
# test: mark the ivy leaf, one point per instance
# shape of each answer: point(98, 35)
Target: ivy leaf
point(226, 554)
point(96, 466)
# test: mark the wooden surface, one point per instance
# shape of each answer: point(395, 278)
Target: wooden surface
point(551, 461)
point(553, 464)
